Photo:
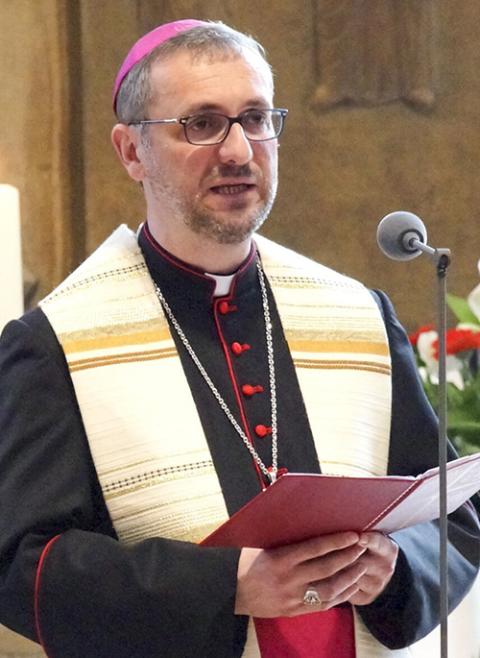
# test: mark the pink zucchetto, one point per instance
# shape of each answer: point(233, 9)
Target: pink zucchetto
point(147, 43)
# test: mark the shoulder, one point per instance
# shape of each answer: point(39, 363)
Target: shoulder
point(278, 258)
point(30, 339)
point(118, 254)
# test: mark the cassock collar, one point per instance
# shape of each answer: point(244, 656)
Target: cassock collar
point(176, 276)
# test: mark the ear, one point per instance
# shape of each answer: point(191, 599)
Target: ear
point(126, 140)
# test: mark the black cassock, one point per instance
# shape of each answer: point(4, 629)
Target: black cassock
point(98, 598)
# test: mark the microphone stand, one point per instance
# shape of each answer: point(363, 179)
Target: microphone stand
point(441, 258)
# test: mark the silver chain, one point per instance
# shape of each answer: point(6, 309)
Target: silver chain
point(272, 473)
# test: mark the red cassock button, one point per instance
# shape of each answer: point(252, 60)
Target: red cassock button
point(249, 390)
point(262, 430)
point(237, 348)
point(224, 307)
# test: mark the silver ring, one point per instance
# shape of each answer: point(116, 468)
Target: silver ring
point(311, 597)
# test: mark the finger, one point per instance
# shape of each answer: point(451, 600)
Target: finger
point(369, 588)
point(332, 594)
point(345, 596)
point(371, 584)
point(378, 571)
point(318, 546)
point(328, 565)
point(361, 598)
point(378, 564)
point(331, 589)
point(378, 543)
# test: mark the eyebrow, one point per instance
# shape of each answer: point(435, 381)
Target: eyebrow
point(215, 107)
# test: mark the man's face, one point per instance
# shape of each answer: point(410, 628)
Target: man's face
point(222, 192)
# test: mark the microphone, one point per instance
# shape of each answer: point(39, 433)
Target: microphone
point(401, 235)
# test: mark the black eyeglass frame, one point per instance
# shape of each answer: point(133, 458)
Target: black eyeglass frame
point(281, 111)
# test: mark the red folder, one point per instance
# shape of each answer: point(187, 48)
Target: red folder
point(299, 506)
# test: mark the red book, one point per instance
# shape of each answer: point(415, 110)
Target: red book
point(299, 506)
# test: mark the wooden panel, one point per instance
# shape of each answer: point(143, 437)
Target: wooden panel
point(36, 130)
point(341, 169)
point(111, 197)
point(35, 156)
point(374, 52)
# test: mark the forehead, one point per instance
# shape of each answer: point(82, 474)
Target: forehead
point(183, 83)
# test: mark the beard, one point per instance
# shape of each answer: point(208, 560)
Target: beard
point(238, 226)
point(223, 227)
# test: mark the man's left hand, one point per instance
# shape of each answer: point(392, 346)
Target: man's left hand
point(379, 559)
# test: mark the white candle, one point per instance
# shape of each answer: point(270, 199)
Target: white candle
point(11, 279)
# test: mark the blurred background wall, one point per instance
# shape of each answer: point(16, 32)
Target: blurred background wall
point(384, 100)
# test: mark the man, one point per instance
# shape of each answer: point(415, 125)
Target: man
point(177, 373)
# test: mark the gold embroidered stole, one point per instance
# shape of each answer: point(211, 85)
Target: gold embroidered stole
point(120, 354)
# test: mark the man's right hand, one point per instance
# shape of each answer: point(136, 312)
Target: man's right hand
point(272, 582)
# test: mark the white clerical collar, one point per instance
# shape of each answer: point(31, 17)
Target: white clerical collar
point(223, 283)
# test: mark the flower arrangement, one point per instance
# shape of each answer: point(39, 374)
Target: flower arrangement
point(462, 369)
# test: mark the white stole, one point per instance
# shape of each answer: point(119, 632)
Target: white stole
point(118, 348)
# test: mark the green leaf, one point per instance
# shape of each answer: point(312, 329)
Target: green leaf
point(460, 308)
point(463, 414)
point(463, 447)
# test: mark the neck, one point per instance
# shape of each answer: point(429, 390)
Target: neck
point(203, 253)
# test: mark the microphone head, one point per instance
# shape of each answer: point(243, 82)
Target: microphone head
point(395, 233)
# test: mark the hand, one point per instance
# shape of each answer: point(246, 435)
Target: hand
point(272, 583)
point(379, 561)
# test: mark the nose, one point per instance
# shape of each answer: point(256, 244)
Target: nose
point(235, 148)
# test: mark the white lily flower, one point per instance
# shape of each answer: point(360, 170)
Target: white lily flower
point(453, 365)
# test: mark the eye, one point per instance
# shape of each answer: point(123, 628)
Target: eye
point(204, 123)
point(252, 118)
point(257, 124)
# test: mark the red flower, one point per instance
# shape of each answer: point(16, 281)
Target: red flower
point(459, 340)
point(413, 338)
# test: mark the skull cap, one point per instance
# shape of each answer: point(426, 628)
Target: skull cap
point(149, 42)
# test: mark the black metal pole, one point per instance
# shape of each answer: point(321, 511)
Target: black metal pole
point(442, 260)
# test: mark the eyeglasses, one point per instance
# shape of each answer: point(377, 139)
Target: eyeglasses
point(209, 128)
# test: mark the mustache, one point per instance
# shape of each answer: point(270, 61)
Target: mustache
point(232, 171)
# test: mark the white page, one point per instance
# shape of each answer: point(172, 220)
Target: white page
point(422, 504)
